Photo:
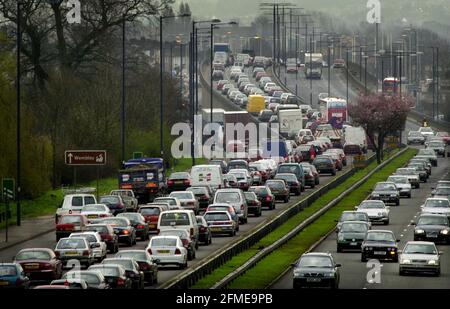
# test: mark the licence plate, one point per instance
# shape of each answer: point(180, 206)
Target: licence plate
point(179, 182)
point(380, 252)
point(164, 251)
point(71, 253)
point(4, 283)
point(216, 229)
point(313, 279)
point(32, 266)
point(353, 243)
point(152, 226)
point(92, 216)
point(432, 236)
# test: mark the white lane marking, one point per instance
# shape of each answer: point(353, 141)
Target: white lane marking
point(405, 230)
point(401, 235)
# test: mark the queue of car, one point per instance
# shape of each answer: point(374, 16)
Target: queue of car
point(356, 229)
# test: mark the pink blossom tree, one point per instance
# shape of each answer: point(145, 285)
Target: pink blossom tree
point(380, 115)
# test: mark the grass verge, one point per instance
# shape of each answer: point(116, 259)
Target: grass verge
point(275, 263)
point(47, 203)
point(238, 260)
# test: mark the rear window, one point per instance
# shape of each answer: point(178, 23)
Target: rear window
point(33, 255)
point(197, 190)
point(216, 217)
point(154, 211)
point(126, 263)
point(170, 201)
point(179, 176)
point(89, 200)
point(109, 200)
point(182, 195)
point(228, 197)
point(77, 201)
point(99, 229)
point(9, 270)
point(163, 242)
point(180, 233)
point(177, 218)
point(107, 271)
point(275, 184)
point(116, 221)
point(289, 169)
point(76, 220)
point(71, 243)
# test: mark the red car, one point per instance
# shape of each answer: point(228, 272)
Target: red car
point(69, 224)
point(445, 137)
point(179, 181)
point(151, 216)
point(341, 154)
point(39, 264)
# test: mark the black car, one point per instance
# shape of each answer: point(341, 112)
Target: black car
point(107, 234)
point(204, 232)
point(202, 194)
point(264, 195)
point(178, 181)
point(279, 189)
point(223, 165)
point(351, 235)
point(237, 164)
point(132, 270)
point(291, 181)
point(311, 176)
point(138, 222)
point(115, 275)
point(423, 174)
point(324, 164)
point(316, 269)
point(265, 114)
point(432, 227)
point(379, 244)
point(114, 203)
point(146, 264)
point(293, 168)
point(123, 229)
point(386, 192)
point(254, 205)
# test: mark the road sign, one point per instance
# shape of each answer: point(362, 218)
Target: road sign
point(138, 155)
point(85, 157)
point(360, 161)
point(8, 189)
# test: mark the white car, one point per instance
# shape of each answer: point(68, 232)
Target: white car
point(402, 183)
point(187, 200)
point(268, 86)
point(72, 203)
point(174, 203)
point(98, 246)
point(439, 206)
point(426, 131)
point(96, 211)
point(168, 250)
point(376, 210)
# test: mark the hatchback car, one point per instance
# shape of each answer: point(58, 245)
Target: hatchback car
point(131, 270)
point(68, 224)
point(279, 189)
point(75, 248)
point(107, 234)
point(265, 196)
point(254, 205)
point(316, 269)
point(220, 222)
point(178, 181)
point(94, 279)
point(187, 200)
point(114, 202)
point(351, 235)
point(13, 276)
point(380, 244)
point(202, 194)
point(168, 250)
point(324, 164)
point(139, 224)
point(420, 256)
point(186, 239)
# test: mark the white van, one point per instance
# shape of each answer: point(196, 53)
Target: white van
point(73, 203)
point(179, 219)
point(207, 175)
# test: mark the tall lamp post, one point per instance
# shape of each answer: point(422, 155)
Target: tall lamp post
point(214, 26)
point(161, 82)
point(18, 153)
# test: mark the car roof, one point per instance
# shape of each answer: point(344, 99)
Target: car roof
point(323, 254)
point(357, 222)
point(36, 249)
point(380, 231)
point(420, 242)
point(432, 215)
point(177, 211)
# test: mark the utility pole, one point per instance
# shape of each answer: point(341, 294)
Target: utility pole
point(122, 120)
point(18, 117)
point(329, 71)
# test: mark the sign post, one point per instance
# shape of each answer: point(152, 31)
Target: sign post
point(8, 186)
point(85, 158)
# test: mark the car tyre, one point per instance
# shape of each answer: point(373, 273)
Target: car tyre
point(397, 203)
point(339, 249)
point(401, 273)
point(363, 258)
point(286, 199)
point(386, 222)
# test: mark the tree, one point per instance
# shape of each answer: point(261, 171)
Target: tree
point(380, 115)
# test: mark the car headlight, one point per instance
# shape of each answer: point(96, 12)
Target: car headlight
point(405, 261)
point(375, 195)
point(393, 195)
point(297, 273)
point(432, 262)
point(330, 275)
point(419, 231)
point(341, 237)
point(445, 232)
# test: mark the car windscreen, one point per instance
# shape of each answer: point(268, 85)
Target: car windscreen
point(353, 217)
point(174, 218)
point(420, 249)
point(33, 255)
point(378, 236)
point(179, 176)
point(107, 271)
point(353, 227)
point(432, 221)
point(368, 205)
point(437, 203)
point(126, 263)
point(315, 262)
point(443, 191)
point(227, 197)
point(289, 169)
point(385, 187)
point(275, 184)
point(137, 255)
point(180, 233)
point(402, 180)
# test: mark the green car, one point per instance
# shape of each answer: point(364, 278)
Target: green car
point(351, 235)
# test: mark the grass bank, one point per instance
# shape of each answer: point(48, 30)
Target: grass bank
point(275, 263)
point(282, 230)
point(47, 203)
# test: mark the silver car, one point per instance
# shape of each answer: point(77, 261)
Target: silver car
point(187, 200)
point(403, 185)
point(415, 137)
point(420, 256)
point(236, 198)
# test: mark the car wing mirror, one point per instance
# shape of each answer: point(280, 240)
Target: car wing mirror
point(293, 264)
point(413, 223)
point(338, 265)
point(397, 240)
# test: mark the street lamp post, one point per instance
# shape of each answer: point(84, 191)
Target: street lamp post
point(329, 72)
point(161, 82)
point(346, 65)
point(365, 74)
point(18, 153)
point(123, 90)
